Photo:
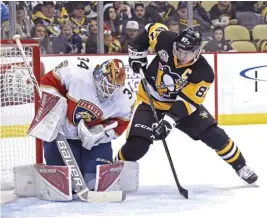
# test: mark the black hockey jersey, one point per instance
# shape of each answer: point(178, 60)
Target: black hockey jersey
point(173, 86)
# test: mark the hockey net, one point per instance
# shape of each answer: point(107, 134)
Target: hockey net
point(18, 102)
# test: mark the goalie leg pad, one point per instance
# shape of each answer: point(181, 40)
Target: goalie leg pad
point(44, 182)
point(24, 181)
point(119, 176)
point(86, 160)
point(53, 182)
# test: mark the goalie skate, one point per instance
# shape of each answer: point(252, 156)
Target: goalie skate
point(247, 175)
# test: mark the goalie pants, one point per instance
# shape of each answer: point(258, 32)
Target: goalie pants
point(86, 160)
point(200, 125)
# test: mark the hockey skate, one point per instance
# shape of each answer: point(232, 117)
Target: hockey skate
point(247, 175)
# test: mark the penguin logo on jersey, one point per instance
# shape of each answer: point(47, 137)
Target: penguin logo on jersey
point(163, 55)
point(87, 111)
point(168, 82)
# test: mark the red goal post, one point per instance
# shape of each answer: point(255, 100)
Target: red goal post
point(18, 103)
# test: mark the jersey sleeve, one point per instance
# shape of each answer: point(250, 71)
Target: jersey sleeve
point(55, 81)
point(122, 125)
point(154, 32)
point(149, 37)
point(194, 93)
point(125, 111)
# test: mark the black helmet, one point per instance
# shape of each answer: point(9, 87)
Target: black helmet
point(187, 46)
point(189, 40)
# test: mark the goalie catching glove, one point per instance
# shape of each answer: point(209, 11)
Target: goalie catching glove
point(98, 134)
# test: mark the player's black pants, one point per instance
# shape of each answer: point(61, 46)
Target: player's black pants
point(200, 125)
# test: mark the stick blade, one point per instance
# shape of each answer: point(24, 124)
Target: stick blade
point(103, 197)
point(184, 193)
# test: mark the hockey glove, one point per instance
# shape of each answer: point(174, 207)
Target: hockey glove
point(162, 129)
point(137, 59)
point(97, 134)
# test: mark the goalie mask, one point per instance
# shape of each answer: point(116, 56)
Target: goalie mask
point(109, 77)
point(187, 46)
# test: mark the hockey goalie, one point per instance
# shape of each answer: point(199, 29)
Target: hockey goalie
point(90, 107)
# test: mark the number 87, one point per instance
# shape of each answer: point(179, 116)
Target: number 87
point(202, 91)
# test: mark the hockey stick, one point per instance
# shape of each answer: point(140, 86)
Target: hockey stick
point(34, 81)
point(83, 191)
point(182, 191)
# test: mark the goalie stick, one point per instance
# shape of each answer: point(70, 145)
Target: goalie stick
point(83, 191)
point(182, 191)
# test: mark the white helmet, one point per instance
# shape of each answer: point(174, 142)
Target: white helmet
point(109, 77)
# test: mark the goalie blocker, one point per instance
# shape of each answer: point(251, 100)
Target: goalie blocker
point(53, 183)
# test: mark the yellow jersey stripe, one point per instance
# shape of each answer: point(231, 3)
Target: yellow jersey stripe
point(226, 149)
point(234, 157)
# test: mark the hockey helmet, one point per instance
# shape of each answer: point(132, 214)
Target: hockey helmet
point(187, 46)
point(109, 77)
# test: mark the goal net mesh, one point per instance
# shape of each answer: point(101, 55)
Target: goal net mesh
point(16, 111)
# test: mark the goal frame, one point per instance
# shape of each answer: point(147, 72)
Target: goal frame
point(38, 72)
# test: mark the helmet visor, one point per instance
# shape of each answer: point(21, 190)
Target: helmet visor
point(185, 57)
point(105, 88)
point(108, 88)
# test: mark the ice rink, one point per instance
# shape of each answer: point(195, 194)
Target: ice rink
point(215, 190)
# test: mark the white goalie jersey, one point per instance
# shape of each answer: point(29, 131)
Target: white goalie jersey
point(74, 80)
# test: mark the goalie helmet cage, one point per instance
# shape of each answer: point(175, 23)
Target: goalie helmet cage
point(18, 102)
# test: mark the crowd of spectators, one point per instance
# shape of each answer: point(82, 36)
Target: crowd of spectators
point(71, 27)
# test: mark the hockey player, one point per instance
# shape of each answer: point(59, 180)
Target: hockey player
point(178, 79)
point(98, 106)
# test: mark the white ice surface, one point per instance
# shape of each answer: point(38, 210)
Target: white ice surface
point(215, 191)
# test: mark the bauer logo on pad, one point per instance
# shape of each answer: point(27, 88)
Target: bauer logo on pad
point(87, 111)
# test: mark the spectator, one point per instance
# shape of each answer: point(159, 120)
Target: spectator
point(198, 10)
point(112, 21)
point(91, 43)
point(140, 16)
point(39, 33)
point(79, 21)
point(132, 28)
point(23, 25)
point(223, 14)
point(111, 45)
point(198, 23)
point(68, 42)
point(218, 43)
point(89, 13)
point(159, 11)
point(48, 19)
point(173, 26)
point(123, 10)
point(4, 12)
point(264, 13)
point(242, 6)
